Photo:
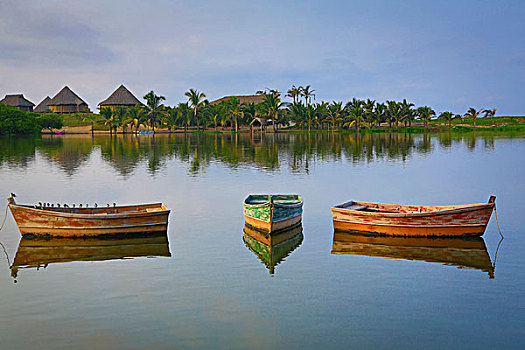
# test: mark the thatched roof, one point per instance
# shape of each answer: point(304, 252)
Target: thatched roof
point(66, 97)
point(17, 100)
point(242, 99)
point(120, 97)
point(43, 106)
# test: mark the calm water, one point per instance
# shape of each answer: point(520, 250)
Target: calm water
point(210, 285)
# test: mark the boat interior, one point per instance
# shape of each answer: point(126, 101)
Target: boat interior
point(128, 209)
point(398, 208)
point(278, 198)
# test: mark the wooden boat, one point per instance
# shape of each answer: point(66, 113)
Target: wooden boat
point(462, 252)
point(40, 252)
point(141, 219)
point(272, 249)
point(272, 213)
point(413, 220)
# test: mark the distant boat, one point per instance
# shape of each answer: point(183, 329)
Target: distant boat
point(461, 252)
point(272, 249)
point(39, 252)
point(61, 132)
point(146, 132)
point(140, 219)
point(413, 220)
point(271, 213)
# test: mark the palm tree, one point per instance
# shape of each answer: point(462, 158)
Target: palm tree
point(307, 93)
point(154, 107)
point(407, 114)
point(272, 106)
point(393, 112)
point(380, 111)
point(107, 114)
point(320, 113)
point(136, 116)
point(297, 112)
point(472, 113)
point(172, 117)
point(447, 116)
point(354, 109)
point(196, 100)
point(335, 113)
point(369, 111)
point(490, 113)
point(294, 93)
point(92, 118)
point(235, 111)
point(425, 113)
point(118, 118)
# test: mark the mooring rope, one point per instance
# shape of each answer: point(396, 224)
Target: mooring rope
point(497, 223)
point(5, 217)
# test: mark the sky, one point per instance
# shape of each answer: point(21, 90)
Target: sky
point(450, 55)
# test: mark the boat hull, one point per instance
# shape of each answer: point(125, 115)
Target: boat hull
point(442, 222)
point(273, 213)
point(38, 222)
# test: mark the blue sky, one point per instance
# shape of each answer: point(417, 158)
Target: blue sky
point(450, 55)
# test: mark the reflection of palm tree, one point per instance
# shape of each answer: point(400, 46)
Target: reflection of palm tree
point(154, 107)
point(472, 113)
point(196, 100)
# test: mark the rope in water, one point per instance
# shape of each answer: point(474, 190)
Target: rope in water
point(5, 217)
point(1, 227)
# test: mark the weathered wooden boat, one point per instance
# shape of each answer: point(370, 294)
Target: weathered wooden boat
point(40, 252)
point(272, 249)
point(272, 213)
point(413, 220)
point(461, 252)
point(141, 219)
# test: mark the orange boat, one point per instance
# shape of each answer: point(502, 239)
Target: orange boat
point(141, 219)
point(411, 220)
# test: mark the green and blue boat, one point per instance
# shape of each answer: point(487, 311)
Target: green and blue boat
point(273, 213)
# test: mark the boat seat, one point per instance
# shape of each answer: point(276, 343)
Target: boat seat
point(356, 207)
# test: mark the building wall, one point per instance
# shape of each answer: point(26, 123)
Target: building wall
point(68, 108)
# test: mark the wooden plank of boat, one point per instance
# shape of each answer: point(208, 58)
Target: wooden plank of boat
point(470, 252)
point(411, 220)
point(78, 222)
point(272, 213)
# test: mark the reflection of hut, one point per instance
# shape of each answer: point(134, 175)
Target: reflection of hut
point(43, 106)
point(242, 99)
point(121, 97)
point(66, 101)
point(19, 102)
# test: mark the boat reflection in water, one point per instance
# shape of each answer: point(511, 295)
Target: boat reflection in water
point(272, 249)
point(468, 253)
point(39, 252)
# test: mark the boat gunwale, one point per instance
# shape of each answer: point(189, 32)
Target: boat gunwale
point(270, 203)
point(105, 216)
point(447, 209)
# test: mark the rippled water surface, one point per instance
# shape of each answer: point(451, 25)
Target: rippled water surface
point(211, 283)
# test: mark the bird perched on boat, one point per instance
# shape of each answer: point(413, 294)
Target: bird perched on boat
point(40, 204)
point(80, 205)
point(96, 205)
point(114, 204)
point(107, 205)
point(73, 205)
point(58, 205)
point(66, 206)
point(52, 205)
point(13, 195)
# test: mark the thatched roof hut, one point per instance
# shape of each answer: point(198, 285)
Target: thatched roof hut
point(66, 101)
point(18, 101)
point(43, 107)
point(121, 97)
point(242, 99)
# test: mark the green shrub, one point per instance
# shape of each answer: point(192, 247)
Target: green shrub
point(14, 121)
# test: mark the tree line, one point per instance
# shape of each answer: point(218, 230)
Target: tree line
point(271, 113)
